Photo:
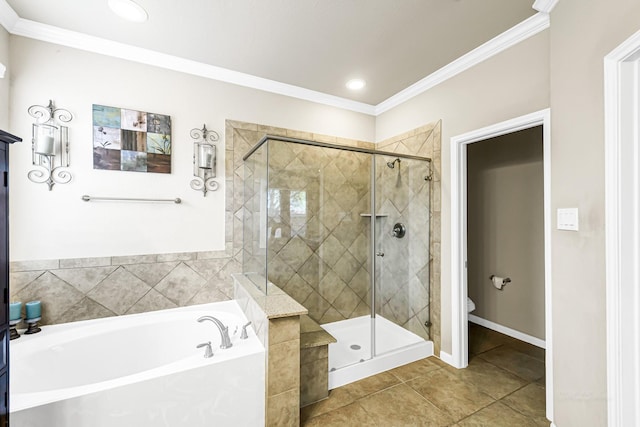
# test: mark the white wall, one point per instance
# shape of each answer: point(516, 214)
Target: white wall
point(512, 83)
point(57, 224)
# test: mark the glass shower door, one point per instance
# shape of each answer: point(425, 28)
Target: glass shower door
point(402, 259)
point(318, 240)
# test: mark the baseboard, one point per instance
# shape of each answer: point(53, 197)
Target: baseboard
point(507, 331)
point(446, 358)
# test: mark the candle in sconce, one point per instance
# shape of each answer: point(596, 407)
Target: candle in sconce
point(15, 309)
point(44, 145)
point(205, 157)
point(33, 310)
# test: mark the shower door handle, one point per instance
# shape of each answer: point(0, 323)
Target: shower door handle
point(380, 254)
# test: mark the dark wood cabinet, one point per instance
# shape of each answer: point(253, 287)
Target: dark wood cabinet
point(5, 140)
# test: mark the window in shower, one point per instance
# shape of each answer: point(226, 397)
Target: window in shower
point(287, 212)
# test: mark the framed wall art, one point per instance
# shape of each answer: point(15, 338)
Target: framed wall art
point(131, 140)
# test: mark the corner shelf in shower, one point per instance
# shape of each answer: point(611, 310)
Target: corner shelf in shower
point(377, 215)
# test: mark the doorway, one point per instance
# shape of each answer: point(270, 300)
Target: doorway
point(622, 210)
point(459, 238)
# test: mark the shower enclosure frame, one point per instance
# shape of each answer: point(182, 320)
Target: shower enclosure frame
point(373, 253)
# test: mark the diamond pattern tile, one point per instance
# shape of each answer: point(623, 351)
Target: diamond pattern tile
point(295, 253)
point(19, 280)
point(151, 301)
point(331, 250)
point(180, 285)
point(85, 309)
point(331, 286)
point(56, 295)
point(119, 291)
point(84, 279)
point(346, 267)
point(151, 274)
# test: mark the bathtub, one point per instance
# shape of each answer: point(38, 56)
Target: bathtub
point(139, 370)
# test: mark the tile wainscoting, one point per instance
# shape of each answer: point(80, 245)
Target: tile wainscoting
point(91, 288)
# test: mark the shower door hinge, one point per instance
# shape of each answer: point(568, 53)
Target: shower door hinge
point(465, 264)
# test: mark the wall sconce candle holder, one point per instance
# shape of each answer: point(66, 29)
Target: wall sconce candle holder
point(204, 160)
point(49, 145)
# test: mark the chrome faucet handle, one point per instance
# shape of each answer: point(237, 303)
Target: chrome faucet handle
point(207, 351)
point(244, 335)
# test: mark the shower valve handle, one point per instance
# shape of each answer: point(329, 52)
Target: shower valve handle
point(380, 254)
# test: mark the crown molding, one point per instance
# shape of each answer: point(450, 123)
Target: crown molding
point(544, 6)
point(47, 33)
point(51, 34)
point(8, 16)
point(527, 28)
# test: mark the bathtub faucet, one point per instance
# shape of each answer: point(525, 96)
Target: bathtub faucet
point(224, 330)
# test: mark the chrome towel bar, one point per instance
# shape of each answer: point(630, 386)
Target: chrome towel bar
point(87, 198)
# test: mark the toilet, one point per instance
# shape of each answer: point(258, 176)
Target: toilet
point(470, 305)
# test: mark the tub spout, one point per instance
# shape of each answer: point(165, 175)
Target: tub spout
point(224, 330)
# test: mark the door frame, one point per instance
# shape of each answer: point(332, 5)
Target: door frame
point(622, 209)
point(459, 316)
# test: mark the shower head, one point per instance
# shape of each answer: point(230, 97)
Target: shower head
point(393, 164)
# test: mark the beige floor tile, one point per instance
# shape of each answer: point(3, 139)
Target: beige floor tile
point(529, 401)
point(489, 379)
point(352, 415)
point(526, 348)
point(345, 395)
point(497, 415)
point(520, 364)
point(437, 361)
point(371, 385)
point(402, 406)
point(415, 369)
point(482, 339)
point(338, 398)
point(450, 393)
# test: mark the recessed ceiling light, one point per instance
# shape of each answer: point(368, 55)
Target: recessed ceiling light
point(356, 84)
point(129, 10)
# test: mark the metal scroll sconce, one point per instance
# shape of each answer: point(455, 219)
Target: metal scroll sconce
point(204, 160)
point(49, 145)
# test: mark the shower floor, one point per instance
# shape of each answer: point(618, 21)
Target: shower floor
point(350, 358)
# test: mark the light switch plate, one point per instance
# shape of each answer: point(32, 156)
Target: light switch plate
point(568, 219)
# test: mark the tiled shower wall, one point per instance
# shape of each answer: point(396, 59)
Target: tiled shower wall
point(78, 289)
point(426, 142)
point(403, 197)
point(320, 254)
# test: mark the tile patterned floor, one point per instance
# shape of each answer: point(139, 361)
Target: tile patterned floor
point(503, 386)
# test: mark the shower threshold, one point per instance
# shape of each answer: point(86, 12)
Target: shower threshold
point(350, 358)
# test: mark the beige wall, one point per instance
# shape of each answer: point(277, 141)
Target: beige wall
point(506, 229)
point(75, 80)
point(582, 33)
point(4, 83)
point(512, 83)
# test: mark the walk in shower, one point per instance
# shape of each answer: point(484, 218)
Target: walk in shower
point(345, 232)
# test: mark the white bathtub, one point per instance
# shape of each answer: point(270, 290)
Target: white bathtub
point(139, 370)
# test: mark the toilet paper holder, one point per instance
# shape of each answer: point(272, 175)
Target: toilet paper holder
point(499, 282)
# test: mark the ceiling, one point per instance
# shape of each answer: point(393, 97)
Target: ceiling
point(313, 44)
